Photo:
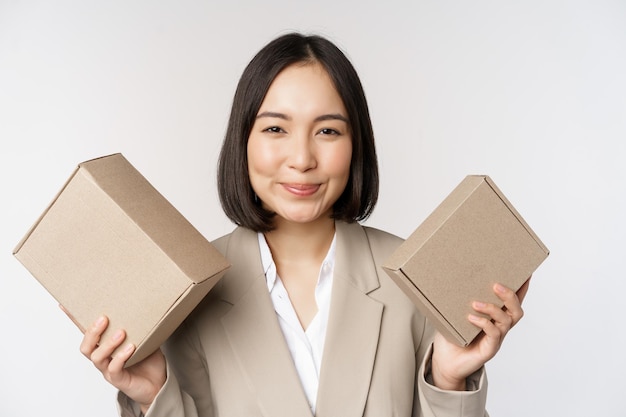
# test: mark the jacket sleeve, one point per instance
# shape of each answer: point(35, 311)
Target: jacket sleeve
point(430, 401)
point(186, 392)
point(170, 401)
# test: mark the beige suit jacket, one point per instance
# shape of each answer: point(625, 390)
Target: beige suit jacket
point(230, 359)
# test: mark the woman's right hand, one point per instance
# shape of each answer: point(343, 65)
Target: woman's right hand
point(140, 382)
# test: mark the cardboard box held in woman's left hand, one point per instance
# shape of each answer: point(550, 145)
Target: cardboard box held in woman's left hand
point(472, 240)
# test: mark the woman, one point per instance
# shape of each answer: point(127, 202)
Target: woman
point(305, 322)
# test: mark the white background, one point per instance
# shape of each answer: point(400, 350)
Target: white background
point(531, 92)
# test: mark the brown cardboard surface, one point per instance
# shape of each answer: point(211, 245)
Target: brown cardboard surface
point(472, 240)
point(111, 244)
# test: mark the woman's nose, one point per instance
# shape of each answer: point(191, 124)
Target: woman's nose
point(301, 153)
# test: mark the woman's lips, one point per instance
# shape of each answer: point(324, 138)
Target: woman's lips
point(302, 190)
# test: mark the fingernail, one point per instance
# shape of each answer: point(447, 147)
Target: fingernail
point(479, 304)
point(500, 288)
point(118, 335)
point(473, 318)
point(100, 321)
point(128, 347)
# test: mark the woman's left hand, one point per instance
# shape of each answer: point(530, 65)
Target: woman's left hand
point(452, 364)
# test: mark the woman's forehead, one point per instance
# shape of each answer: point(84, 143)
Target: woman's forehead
point(303, 90)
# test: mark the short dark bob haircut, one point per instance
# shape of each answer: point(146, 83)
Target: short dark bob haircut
point(236, 194)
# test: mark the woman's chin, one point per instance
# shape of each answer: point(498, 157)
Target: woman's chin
point(308, 217)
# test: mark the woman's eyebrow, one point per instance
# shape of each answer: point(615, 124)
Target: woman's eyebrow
point(323, 117)
point(273, 114)
point(332, 116)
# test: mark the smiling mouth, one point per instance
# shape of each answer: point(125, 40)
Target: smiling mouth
point(302, 190)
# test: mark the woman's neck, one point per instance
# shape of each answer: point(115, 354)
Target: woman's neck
point(291, 242)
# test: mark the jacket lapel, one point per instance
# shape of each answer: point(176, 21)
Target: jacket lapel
point(351, 337)
point(353, 327)
point(254, 333)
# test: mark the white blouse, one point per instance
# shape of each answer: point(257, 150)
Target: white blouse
point(306, 347)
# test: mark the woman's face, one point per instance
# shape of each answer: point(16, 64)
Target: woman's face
point(300, 146)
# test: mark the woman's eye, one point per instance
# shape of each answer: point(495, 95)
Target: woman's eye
point(328, 131)
point(274, 129)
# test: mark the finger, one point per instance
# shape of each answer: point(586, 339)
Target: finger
point(512, 304)
point(493, 336)
point(497, 316)
point(92, 336)
point(116, 366)
point(101, 357)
